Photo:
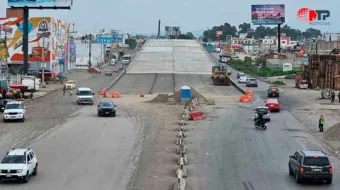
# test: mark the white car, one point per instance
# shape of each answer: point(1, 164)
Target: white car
point(14, 111)
point(85, 96)
point(242, 79)
point(18, 164)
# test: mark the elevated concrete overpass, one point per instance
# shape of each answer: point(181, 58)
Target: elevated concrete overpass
point(164, 66)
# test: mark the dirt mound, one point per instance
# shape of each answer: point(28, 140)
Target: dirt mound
point(333, 133)
point(161, 98)
point(194, 94)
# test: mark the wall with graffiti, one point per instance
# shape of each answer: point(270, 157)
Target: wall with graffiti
point(45, 33)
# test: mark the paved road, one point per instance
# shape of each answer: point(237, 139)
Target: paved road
point(288, 99)
point(79, 151)
point(131, 84)
point(235, 155)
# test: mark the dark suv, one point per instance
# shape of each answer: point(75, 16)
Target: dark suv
point(311, 164)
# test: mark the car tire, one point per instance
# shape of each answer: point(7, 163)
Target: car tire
point(35, 171)
point(278, 110)
point(329, 181)
point(290, 170)
point(297, 178)
point(114, 114)
point(26, 178)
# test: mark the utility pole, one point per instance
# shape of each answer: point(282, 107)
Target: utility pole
point(90, 41)
point(43, 36)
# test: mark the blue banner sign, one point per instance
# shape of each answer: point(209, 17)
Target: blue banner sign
point(109, 38)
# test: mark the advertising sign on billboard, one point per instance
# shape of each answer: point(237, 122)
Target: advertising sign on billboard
point(40, 3)
point(267, 14)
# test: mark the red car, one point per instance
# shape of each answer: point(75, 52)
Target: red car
point(93, 70)
point(272, 104)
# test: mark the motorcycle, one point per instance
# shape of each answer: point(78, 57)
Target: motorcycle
point(261, 126)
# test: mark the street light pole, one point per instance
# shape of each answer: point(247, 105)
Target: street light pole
point(43, 64)
point(90, 41)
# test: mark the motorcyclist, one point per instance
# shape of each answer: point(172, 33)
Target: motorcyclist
point(260, 120)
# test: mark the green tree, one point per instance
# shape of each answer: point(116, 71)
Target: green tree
point(190, 35)
point(245, 28)
point(131, 42)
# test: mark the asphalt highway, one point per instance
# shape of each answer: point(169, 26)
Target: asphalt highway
point(75, 148)
point(288, 100)
point(235, 155)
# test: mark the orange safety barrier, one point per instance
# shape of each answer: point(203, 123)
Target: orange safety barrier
point(250, 95)
point(115, 94)
point(106, 94)
point(141, 93)
point(101, 92)
point(101, 89)
point(244, 98)
point(247, 91)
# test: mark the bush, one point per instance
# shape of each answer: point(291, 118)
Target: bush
point(249, 68)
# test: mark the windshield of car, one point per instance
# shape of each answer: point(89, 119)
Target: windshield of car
point(14, 159)
point(85, 93)
point(318, 161)
point(272, 101)
point(13, 106)
point(106, 104)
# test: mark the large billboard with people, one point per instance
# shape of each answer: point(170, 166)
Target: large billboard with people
point(40, 3)
point(267, 14)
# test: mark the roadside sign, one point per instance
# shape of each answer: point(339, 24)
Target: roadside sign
point(109, 38)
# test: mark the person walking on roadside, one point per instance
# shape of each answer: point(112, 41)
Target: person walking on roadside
point(333, 97)
point(321, 123)
point(64, 90)
point(339, 96)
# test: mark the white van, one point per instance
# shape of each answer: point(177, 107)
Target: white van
point(85, 96)
point(126, 59)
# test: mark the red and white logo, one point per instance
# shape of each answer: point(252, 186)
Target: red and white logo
point(306, 15)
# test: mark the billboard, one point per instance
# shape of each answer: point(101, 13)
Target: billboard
point(267, 14)
point(40, 3)
point(36, 26)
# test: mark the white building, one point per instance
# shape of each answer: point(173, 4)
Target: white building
point(332, 37)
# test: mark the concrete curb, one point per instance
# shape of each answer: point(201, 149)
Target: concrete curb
point(116, 80)
point(182, 172)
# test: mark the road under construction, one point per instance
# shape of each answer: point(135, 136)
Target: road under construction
point(164, 66)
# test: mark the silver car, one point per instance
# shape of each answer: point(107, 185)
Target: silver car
point(251, 82)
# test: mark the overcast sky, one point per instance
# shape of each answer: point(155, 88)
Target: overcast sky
point(141, 16)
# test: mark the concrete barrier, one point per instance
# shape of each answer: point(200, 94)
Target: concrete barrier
point(181, 172)
point(180, 184)
point(116, 80)
point(237, 87)
point(181, 149)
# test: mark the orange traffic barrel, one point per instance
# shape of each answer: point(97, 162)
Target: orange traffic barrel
point(106, 94)
point(101, 92)
point(141, 93)
point(115, 94)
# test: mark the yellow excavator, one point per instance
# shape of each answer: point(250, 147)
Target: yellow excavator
point(221, 75)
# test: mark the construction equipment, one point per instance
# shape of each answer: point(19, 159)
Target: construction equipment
point(220, 75)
